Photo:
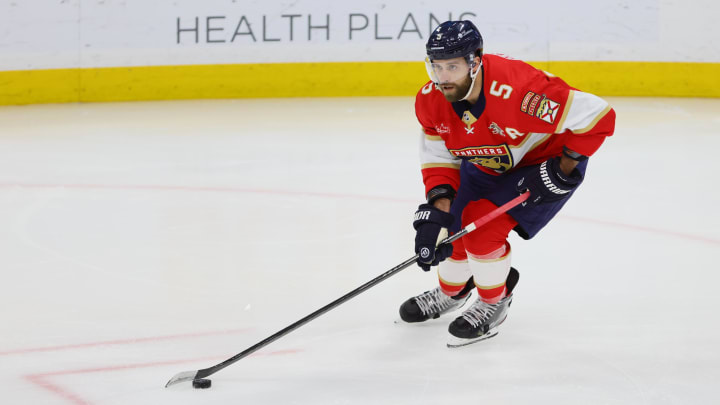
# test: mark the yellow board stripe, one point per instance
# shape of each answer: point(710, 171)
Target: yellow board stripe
point(211, 81)
point(640, 79)
point(329, 80)
point(39, 86)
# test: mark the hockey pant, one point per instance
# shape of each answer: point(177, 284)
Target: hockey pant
point(484, 254)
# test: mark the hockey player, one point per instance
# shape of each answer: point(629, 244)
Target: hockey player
point(493, 127)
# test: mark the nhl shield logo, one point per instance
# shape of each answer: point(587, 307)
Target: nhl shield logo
point(469, 120)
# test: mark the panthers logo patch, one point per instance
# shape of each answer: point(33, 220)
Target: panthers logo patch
point(497, 158)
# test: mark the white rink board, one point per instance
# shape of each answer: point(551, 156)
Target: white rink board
point(81, 33)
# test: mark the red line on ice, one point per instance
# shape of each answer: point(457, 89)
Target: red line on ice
point(121, 342)
point(41, 379)
point(642, 228)
point(330, 195)
point(56, 389)
point(200, 188)
point(155, 364)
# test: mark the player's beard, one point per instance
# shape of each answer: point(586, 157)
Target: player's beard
point(458, 89)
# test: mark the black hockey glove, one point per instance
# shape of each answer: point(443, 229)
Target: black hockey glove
point(549, 183)
point(431, 227)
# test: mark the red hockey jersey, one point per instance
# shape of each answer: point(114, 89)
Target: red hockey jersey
point(528, 116)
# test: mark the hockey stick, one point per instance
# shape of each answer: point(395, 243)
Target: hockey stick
point(193, 375)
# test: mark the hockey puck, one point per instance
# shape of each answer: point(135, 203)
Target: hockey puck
point(202, 383)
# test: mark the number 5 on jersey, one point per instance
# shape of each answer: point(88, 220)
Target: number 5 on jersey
point(503, 90)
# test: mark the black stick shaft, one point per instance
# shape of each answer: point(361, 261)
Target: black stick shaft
point(214, 369)
point(469, 228)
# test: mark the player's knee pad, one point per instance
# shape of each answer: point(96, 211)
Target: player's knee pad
point(489, 237)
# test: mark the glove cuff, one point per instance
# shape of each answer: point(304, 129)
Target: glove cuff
point(573, 179)
point(573, 155)
point(441, 191)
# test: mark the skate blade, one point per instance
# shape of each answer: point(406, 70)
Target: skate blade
point(399, 321)
point(458, 342)
point(427, 324)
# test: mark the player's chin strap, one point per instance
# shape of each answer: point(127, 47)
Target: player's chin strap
point(473, 76)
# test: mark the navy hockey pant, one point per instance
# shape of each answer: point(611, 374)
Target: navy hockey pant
point(476, 185)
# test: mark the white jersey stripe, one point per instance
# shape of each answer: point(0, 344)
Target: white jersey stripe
point(532, 140)
point(568, 105)
point(434, 153)
point(584, 112)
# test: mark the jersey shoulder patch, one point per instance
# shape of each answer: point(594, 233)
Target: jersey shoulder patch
point(535, 98)
point(540, 106)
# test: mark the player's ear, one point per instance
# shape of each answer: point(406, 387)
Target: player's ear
point(477, 61)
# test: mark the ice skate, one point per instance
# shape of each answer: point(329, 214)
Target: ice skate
point(480, 321)
point(430, 305)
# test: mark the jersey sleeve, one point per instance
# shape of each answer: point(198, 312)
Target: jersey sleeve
point(438, 165)
point(590, 120)
point(549, 105)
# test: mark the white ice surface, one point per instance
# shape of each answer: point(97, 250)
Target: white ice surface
point(139, 240)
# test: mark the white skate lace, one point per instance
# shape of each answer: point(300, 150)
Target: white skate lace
point(434, 301)
point(479, 312)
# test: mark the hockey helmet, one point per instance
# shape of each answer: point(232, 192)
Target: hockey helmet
point(450, 40)
point(453, 39)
